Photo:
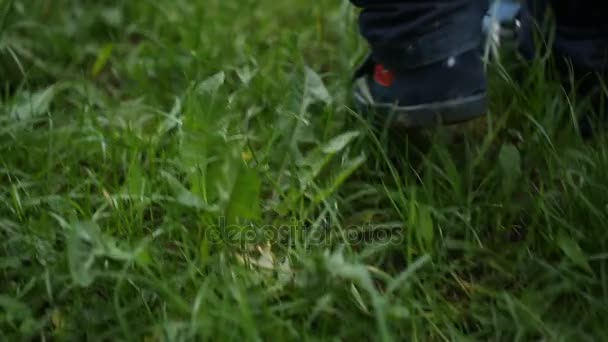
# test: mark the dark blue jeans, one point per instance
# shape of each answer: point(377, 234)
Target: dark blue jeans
point(411, 33)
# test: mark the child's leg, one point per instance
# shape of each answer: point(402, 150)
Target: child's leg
point(410, 33)
point(582, 33)
point(581, 47)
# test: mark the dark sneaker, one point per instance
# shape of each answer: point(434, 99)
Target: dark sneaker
point(449, 92)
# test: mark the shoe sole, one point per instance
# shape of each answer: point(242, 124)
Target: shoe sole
point(424, 115)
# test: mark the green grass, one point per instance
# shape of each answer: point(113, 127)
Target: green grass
point(191, 170)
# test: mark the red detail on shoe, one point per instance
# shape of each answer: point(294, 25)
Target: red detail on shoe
point(383, 76)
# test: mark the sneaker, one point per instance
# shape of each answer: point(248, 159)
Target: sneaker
point(449, 92)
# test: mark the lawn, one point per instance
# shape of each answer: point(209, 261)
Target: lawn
point(193, 170)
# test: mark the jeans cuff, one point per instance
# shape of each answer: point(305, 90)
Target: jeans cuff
point(460, 33)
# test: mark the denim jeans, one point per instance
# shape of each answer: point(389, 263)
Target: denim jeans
point(412, 33)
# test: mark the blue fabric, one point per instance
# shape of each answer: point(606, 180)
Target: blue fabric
point(504, 11)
